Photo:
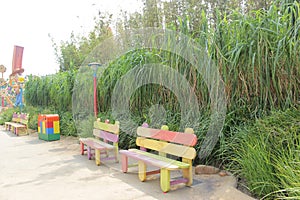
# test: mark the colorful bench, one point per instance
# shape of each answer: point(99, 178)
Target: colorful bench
point(163, 142)
point(106, 140)
point(19, 121)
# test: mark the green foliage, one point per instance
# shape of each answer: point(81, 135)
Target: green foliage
point(33, 116)
point(6, 115)
point(71, 54)
point(51, 91)
point(266, 155)
point(257, 53)
point(67, 124)
point(85, 127)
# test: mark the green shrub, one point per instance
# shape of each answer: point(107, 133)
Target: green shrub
point(67, 124)
point(267, 155)
point(6, 115)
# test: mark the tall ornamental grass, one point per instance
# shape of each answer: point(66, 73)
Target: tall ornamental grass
point(267, 155)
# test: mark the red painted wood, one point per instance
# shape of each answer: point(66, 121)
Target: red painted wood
point(178, 181)
point(124, 163)
point(153, 172)
point(170, 136)
point(95, 96)
point(82, 148)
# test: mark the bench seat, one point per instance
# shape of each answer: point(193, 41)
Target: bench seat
point(18, 125)
point(96, 144)
point(153, 159)
point(11, 123)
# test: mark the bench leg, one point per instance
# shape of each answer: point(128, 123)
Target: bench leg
point(188, 173)
point(165, 180)
point(116, 152)
point(97, 156)
point(124, 163)
point(16, 131)
point(142, 170)
point(89, 152)
point(82, 148)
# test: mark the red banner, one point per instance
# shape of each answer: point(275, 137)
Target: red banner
point(17, 60)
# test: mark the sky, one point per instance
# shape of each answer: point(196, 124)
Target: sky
point(28, 23)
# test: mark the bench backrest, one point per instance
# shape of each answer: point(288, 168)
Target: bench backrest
point(15, 117)
point(20, 118)
point(169, 142)
point(24, 118)
point(106, 131)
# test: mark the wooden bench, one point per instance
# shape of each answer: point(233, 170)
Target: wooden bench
point(161, 143)
point(106, 140)
point(19, 121)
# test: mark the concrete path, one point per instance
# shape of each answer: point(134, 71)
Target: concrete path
point(34, 169)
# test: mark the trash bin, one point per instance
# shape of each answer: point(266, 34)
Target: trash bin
point(48, 127)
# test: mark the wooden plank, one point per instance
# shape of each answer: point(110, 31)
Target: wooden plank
point(165, 159)
point(179, 181)
point(112, 128)
point(169, 148)
point(15, 124)
point(97, 144)
point(19, 125)
point(170, 136)
point(150, 160)
point(106, 135)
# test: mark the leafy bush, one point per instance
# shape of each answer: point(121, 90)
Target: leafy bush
point(6, 115)
point(67, 124)
point(267, 155)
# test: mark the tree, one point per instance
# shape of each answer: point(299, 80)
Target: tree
point(71, 54)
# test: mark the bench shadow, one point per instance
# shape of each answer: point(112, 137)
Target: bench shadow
point(61, 149)
point(152, 188)
point(35, 141)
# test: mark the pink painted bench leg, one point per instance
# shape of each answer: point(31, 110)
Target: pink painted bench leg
point(89, 153)
point(124, 163)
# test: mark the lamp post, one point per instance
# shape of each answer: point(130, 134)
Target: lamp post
point(95, 66)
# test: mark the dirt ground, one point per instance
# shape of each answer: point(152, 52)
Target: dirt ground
point(35, 169)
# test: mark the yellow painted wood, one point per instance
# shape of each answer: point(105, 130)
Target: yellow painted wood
point(44, 127)
point(189, 130)
point(116, 151)
point(142, 170)
point(188, 172)
point(169, 148)
point(97, 156)
point(113, 128)
point(56, 127)
point(165, 179)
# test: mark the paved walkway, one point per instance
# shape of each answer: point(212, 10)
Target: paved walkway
point(34, 169)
